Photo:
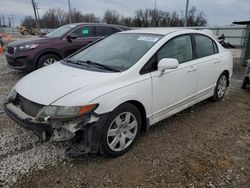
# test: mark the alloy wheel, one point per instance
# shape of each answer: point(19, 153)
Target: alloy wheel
point(222, 86)
point(49, 61)
point(122, 131)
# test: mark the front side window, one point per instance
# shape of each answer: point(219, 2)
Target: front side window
point(120, 51)
point(204, 46)
point(179, 48)
point(85, 31)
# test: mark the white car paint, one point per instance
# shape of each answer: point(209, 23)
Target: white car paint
point(161, 95)
point(55, 81)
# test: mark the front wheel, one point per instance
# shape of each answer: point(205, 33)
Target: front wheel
point(46, 60)
point(121, 130)
point(221, 87)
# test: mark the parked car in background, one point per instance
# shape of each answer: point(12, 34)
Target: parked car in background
point(103, 96)
point(32, 54)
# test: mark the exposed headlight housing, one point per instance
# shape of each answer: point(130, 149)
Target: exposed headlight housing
point(26, 47)
point(64, 112)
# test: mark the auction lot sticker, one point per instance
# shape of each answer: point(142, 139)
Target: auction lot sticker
point(148, 39)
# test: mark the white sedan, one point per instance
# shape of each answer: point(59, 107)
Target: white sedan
point(103, 96)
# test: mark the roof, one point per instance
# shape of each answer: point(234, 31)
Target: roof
point(158, 30)
point(242, 23)
point(100, 24)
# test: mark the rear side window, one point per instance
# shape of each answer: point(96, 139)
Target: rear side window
point(103, 31)
point(85, 31)
point(115, 30)
point(204, 46)
point(179, 48)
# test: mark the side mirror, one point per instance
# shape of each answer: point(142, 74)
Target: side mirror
point(71, 36)
point(167, 63)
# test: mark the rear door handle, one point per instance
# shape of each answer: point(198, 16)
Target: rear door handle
point(216, 62)
point(192, 69)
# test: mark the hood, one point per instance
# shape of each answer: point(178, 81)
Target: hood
point(50, 83)
point(34, 40)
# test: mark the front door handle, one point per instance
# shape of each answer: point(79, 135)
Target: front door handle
point(192, 69)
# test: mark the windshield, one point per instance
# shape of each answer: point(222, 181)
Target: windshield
point(59, 32)
point(120, 51)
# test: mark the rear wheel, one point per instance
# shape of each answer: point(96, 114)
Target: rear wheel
point(47, 59)
point(121, 130)
point(221, 87)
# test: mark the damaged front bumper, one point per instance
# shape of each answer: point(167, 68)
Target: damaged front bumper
point(84, 133)
point(42, 129)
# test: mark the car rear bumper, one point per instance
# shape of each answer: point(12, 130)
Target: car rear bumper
point(43, 130)
point(23, 63)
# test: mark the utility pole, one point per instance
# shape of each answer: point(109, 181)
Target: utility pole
point(69, 5)
point(35, 12)
point(155, 13)
point(186, 14)
point(12, 18)
point(155, 5)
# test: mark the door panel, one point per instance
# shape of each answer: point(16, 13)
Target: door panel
point(173, 87)
point(209, 70)
point(176, 86)
point(208, 62)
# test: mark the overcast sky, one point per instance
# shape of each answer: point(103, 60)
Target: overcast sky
point(218, 12)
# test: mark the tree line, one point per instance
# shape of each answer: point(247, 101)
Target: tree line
point(54, 18)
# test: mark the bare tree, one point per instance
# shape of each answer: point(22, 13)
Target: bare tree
point(76, 16)
point(196, 19)
point(128, 21)
point(29, 22)
point(111, 17)
point(90, 17)
point(53, 18)
point(142, 18)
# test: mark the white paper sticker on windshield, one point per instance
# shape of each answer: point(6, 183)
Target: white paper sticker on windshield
point(148, 39)
point(72, 25)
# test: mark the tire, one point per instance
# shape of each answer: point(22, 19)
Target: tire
point(47, 59)
point(244, 83)
point(120, 131)
point(221, 87)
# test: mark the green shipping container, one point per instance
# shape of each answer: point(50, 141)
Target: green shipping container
point(245, 55)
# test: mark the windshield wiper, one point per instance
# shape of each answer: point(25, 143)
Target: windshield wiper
point(100, 65)
point(68, 60)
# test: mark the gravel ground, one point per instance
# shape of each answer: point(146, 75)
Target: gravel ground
point(206, 145)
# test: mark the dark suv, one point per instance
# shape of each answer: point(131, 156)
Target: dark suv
point(32, 54)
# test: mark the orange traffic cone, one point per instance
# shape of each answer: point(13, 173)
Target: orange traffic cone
point(1, 50)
